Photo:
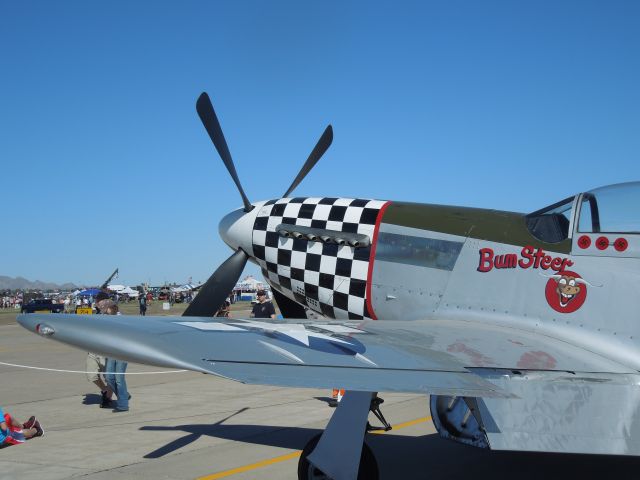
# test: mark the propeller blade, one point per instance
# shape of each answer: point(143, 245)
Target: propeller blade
point(323, 144)
point(212, 125)
point(217, 288)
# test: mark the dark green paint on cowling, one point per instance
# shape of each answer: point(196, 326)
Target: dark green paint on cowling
point(479, 223)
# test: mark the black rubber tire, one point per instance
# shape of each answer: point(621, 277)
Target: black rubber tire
point(368, 465)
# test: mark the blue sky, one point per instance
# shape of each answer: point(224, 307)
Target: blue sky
point(498, 104)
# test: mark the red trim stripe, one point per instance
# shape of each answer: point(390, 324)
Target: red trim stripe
point(374, 243)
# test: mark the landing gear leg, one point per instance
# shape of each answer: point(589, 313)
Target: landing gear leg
point(368, 468)
point(340, 452)
point(376, 401)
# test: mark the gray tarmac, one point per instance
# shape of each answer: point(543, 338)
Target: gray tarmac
point(192, 426)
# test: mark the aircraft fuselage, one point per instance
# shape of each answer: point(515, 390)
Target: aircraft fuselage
point(425, 261)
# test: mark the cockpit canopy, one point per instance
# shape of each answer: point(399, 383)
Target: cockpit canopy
point(610, 209)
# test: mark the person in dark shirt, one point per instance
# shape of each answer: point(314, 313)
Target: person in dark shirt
point(263, 308)
point(142, 300)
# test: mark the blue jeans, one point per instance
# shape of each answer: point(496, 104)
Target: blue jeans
point(118, 383)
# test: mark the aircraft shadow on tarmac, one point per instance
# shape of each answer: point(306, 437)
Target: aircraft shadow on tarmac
point(426, 456)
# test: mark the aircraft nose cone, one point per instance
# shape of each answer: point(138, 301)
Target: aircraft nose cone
point(236, 228)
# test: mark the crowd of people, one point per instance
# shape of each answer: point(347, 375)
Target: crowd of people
point(71, 301)
point(11, 301)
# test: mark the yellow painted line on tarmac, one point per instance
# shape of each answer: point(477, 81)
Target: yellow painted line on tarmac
point(289, 456)
point(252, 466)
point(404, 425)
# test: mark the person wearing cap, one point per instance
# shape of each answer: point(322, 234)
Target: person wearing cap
point(263, 307)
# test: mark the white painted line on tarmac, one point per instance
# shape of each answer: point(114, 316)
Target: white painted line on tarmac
point(82, 371)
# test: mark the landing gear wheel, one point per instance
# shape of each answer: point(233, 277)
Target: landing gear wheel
point(306, 471)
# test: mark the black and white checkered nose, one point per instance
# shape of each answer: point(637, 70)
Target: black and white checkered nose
point(236, 228)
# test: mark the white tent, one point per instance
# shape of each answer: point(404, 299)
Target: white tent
point(249, 284)
point(129, 291)
point(184, 288)
point(116, 288)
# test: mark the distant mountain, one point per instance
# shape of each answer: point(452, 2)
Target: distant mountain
point(20, 283)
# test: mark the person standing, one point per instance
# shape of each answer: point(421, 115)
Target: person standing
point(116, 370)
point(263, 307)
point(142, 300)
point(96, 364)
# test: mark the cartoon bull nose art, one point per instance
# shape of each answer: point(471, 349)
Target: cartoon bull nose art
point(567, 289)
point(566, 292)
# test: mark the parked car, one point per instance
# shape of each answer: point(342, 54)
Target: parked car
point(41, 305)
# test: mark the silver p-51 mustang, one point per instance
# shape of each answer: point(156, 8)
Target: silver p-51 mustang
point(523, 329)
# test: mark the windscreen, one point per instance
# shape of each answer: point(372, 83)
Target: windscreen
point(551, 224)
point(613, 209)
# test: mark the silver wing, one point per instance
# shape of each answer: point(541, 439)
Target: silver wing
point(435, 357)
